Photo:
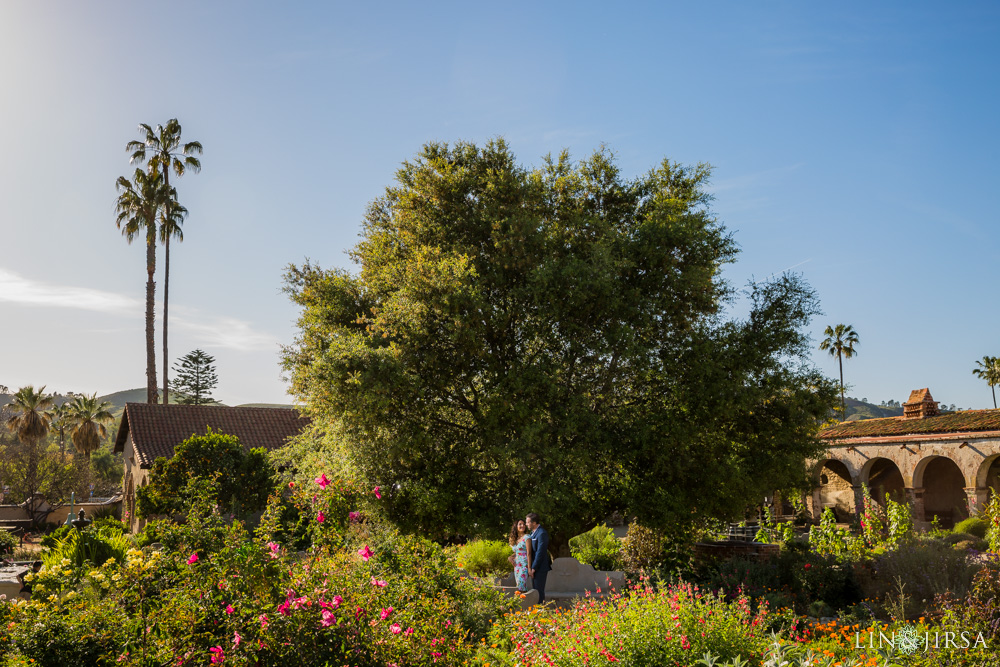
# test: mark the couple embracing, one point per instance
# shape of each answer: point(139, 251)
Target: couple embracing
point(530, 543)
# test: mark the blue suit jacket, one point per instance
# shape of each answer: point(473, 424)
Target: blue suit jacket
point(540, 550)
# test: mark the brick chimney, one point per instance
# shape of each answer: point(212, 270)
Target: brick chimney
point(920, 405)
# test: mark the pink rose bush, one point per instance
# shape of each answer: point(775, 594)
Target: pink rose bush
point(354, 593)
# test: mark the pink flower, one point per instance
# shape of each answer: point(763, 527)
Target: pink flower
point(328, 619)
point(385, 613)
point(322, 481)
point(283, 609)
point(320, 517)
point(365, 553)
point(274, 550)
point(378, 494)
point(263, 621)
point(435, 655)
point(237, 639)
point(192, 559)
point(218, 655)
point(357, 612)
point(408, 631)
point(337, 600)
point(379, 583)
point(229, 609)
point(291, 485)
point(395, 629)
point(353, 516)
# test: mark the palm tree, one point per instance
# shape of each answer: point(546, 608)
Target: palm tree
point(139, 202)
point(840, 341)
point(30, 422)
point(989, 370)
point(165, 152)
point(59, 420)
point(88, 418)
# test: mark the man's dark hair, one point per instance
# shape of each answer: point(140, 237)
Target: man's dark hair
point(534, 518)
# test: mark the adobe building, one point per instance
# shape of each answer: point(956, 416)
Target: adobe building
point(943, 464)
point(149, 431)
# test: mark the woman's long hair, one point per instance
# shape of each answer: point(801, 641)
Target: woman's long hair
point(515, 534)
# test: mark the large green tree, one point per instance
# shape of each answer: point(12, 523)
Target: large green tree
point(553, 340)
point(989, 369)
point(196, 378)
point(138, 208)
point(161, 148)
point(839, 342)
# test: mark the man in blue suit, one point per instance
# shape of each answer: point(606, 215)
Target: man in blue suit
point(540, 565)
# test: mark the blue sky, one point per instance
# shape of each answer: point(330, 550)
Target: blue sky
point(857, 144)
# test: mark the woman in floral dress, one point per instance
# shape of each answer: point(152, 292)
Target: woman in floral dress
point(520, 543)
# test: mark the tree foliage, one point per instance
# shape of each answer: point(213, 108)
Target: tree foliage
point(88, 420)
point(244, 478)
point(553, 340)
point(988, 369)
point(839, 342)
point(195, 378)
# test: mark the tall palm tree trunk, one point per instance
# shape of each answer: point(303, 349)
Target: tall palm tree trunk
point(993, 387)
point(151, 391)
point(166, 288)
point(843, 405)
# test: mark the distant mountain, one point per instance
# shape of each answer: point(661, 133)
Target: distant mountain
point(857, 409)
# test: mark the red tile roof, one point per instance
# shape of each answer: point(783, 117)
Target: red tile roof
point(919, 396)
point(955, 422)
point(156, 429)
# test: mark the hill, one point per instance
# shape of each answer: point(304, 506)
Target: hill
point(858, 409)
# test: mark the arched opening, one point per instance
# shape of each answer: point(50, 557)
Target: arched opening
point(944, 492)
point(989, 474)
point(884, 478)
point(835, 489)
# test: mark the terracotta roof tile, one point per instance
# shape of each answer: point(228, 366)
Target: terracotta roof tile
point(157, 429)
point(955, 422)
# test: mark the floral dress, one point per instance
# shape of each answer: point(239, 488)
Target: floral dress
point(521, 578)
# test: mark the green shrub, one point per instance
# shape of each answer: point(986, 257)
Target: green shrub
point(956, 537)
point(924, 568)
point(974, 544)
point(597, 547)
point(244, 479)
point(365, 595)
point(974, 525)
point(671, 625)
point(642, 549)
point(485, 557)
point(8, 542)
point(95, 544)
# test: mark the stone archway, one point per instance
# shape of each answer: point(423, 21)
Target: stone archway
point(943, 486)
point(883, 477)
point(834, 489)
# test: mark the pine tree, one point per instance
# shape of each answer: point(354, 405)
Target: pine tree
point(195, 378)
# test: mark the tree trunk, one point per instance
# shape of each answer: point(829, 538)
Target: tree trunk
point(152, 395)
point(843, 405)
point(993, 387)
point(166, 288)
